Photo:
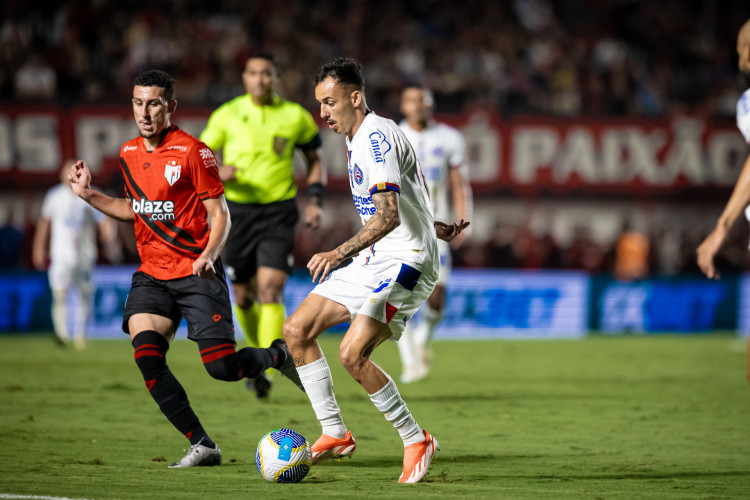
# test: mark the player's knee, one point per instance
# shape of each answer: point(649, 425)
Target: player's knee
point(271, 294)
point(223, 369)
point(294, 331)
point(351, 359)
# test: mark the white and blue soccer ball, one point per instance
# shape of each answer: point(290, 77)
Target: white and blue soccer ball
point(283, 456)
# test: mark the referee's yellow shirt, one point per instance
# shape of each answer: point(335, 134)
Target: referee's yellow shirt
point(260, 142)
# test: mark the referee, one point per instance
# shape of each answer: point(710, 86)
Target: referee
point(257, 134)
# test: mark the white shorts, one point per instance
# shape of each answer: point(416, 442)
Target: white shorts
point(62, 277)
point(446, 263)
point(391, 291)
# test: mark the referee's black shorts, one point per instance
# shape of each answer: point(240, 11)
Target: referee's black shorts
point(261, 235)
point(204, 303)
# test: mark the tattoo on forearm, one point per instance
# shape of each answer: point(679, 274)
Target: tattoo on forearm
point(382, 222)
point(299, 361)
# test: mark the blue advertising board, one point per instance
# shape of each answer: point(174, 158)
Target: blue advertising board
point(486, 303)
point(480, 303)
point(681, 304)
point(743, 305)
point(24, 302)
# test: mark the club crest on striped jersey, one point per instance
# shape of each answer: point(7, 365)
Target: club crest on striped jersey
point(358, 175)
point(172, 171)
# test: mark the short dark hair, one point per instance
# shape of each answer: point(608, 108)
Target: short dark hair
point(156, 78)
point(344, 70)
point(414, 85)
point(264, 54)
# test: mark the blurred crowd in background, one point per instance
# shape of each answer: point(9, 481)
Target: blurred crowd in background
point(572, 57)
point(618, 58)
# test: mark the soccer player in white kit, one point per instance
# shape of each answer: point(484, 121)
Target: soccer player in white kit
point(393, 270)
point(66, 234)
point(440, 151)
point(740, 197)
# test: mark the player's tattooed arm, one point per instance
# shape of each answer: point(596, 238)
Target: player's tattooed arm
point(382, 222)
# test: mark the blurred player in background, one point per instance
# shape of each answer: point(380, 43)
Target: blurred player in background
point(258, 134)
point(740, 197)
point(440, 151)
point(632, 250)
point(66, 237)
point(393, 271)
point(173, 187)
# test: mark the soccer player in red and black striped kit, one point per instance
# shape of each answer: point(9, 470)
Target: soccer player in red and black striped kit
point(172, 188)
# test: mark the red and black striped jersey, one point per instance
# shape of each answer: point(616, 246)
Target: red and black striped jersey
point(166, 188)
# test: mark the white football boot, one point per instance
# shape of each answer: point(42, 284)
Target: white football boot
point(199, 455)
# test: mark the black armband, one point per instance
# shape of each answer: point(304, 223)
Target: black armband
point(314, 144)
point(315, 193)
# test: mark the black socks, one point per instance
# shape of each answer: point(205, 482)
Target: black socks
point(222, 362)
point(150, 350)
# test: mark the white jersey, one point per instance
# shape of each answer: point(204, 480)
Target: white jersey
point(743, 115)
point(381, 159)
point(72, 228)
point(743, 123)
point(439, 148)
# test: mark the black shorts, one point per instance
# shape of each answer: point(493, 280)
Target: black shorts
point(204, 303)
point(261, 235)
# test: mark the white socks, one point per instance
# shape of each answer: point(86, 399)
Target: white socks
point(426, 330)
point(316, 378)
point(59, 314)
point(389, 402)
point(406, 347)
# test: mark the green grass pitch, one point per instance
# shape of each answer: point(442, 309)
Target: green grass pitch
point(610, 418)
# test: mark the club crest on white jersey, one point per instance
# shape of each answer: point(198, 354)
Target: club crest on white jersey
point(172, 171)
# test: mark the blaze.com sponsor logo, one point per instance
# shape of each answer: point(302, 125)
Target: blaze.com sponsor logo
point(154, 209)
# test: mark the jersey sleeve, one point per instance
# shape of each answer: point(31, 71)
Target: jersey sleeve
point(382, 162)
point(48, 205)
point(456, 156)
point(213, 135)
point(308, 137)
point(204, 172)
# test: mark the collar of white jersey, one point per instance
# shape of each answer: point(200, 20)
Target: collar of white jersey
point(368, 118)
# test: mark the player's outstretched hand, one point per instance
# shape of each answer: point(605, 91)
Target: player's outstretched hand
point(203, 267)
point(80, 178)
point(313, 215)
point(322, 263)
point(447, 232)
point(708, 250)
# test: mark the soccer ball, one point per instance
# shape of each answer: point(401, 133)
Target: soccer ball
point(283, 456)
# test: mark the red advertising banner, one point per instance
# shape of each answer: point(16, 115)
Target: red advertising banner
point(521, 156)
